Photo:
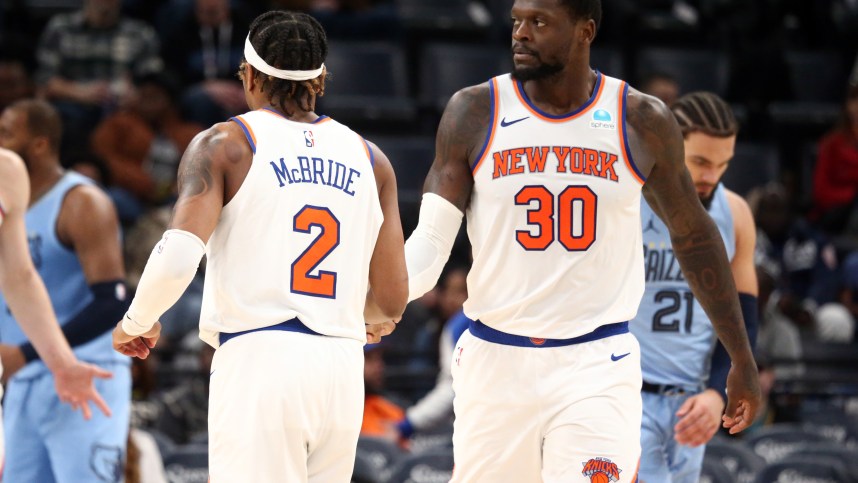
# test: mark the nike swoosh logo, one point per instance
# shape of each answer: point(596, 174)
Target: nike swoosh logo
point(616, 358)
point(505, 124)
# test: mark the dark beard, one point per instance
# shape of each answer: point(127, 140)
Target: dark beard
point(543, 71)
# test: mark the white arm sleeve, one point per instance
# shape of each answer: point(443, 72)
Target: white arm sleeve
point(428, 248)
point(169, 270)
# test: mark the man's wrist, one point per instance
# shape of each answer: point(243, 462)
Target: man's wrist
point(131, 326)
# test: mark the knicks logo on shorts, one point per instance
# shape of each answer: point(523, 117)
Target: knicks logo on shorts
point(601, 470)
point(537, 341)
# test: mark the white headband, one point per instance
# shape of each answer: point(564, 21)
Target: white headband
point(256, 61)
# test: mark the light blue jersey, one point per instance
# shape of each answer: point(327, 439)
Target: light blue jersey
point(675, 335)
point(60, 269)
point(46, 440)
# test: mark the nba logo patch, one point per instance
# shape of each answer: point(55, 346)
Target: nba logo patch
point(308, 139)
point(602, 120)
point(601, 470)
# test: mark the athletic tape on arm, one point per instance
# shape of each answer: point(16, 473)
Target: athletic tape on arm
point(428, 248)
point(170, 269)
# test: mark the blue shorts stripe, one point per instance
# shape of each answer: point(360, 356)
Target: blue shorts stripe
point(482, 331)
point(293, 325)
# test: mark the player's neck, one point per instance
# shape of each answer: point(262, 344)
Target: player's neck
point(295, 113)
point(43, 177)
point(564, 92)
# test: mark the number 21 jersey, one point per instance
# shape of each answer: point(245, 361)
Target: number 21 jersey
point(554, 218)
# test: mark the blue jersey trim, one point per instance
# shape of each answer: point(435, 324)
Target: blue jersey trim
point(590, 101)
point(369, 151)
point(482, 331)
point(626, 147)
point(319, 119)
point(246, 132)
point(292, 325)
point(493, 121)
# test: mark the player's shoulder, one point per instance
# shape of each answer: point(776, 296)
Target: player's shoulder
point(86, 200)
point(14, 180)
point(743, 218)
point(472, 98)
point(225, 141)
point(642, 110)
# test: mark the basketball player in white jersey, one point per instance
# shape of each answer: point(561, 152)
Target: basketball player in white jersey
point(28, 300)
point(684, 370)
point(298, 218)
point(548, 165)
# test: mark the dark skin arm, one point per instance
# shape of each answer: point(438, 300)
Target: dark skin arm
point(657, 147)
point(203, 191)
point(462, 129)
point(388, 278)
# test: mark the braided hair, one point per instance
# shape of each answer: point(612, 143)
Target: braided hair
point(705, 112)
point(290, 41)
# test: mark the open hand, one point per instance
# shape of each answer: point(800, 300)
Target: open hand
point(699, 418)
point(75, 385)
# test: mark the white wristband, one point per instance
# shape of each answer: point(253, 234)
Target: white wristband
point(169, 270)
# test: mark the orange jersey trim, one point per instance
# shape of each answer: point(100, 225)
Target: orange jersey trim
point(248, 131)
point(525, 101)
point(490, 136)
point(627, 153)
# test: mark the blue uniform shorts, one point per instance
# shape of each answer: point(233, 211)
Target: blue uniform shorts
point(47, 442)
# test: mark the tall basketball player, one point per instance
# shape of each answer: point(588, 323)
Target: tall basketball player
point(549, 163)
point(28, 300)
point(297, 215)
point(684, 370)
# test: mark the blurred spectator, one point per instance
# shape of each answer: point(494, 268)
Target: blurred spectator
point(802, 260)
point(437, 406)
point(143, 144)
point(181, 412)
point(778, 337)
point(661, 85)
point(380, 414)
point(15, 80)
point(837, 321)
point(452, 293)
point(86, 59)
point(144, 463)
point(205, 50)
point(835, 177)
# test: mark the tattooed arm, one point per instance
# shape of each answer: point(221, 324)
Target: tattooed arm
point(448, 187)
point(657, 147)
point(461, 133)
point(211, 171)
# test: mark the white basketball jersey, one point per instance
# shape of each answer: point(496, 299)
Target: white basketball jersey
point(297, 238)
point(554, 218)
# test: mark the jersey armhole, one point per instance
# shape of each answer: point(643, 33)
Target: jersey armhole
point(624, 138)
point(248, 132)
point(369, 153)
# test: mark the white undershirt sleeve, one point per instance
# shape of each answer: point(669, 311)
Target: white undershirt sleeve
point(428, 248)
point(170, 269)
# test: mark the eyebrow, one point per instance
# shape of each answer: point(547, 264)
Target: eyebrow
point(707, 160)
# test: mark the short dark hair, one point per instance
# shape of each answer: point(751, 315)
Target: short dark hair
point(587, 9)
point(705, 112)
point(290, 41)
point(42, 120)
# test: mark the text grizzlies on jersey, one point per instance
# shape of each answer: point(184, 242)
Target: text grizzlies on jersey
point(315, 170)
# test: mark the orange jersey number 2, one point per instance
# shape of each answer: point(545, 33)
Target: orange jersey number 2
point(325, 283)
point(542, 218)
